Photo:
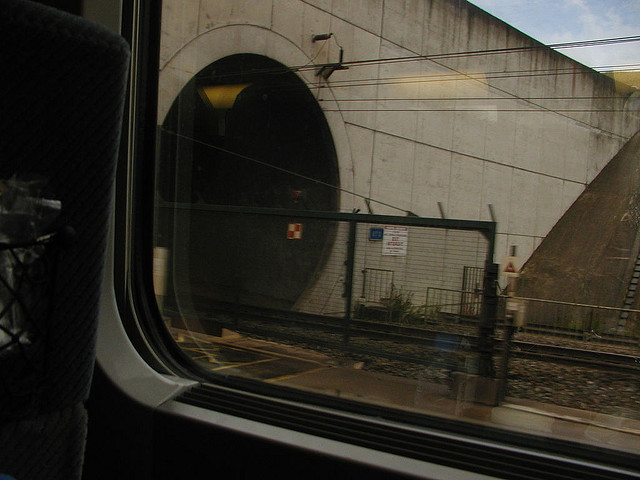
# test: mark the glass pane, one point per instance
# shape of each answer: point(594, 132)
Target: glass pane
point(410, 204)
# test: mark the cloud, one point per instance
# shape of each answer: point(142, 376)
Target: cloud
point(557, 21)
point(596, 20)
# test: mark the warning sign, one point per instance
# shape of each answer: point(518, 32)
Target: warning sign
point(394, 241)
point(294, 231)
point(510, 266)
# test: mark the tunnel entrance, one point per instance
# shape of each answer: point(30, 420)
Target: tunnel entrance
point(245, 132)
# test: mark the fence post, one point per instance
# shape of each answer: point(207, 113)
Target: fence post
point(487, 325)
point(509, 330)
point(348, 279)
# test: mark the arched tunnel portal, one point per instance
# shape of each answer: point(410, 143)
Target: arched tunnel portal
point(245, 131)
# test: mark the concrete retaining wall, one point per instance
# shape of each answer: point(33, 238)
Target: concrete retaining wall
point(471, 130)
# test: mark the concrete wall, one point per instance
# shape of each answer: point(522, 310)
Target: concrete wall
point(471, 130)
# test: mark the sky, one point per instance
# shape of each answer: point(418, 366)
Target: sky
point(559, 21)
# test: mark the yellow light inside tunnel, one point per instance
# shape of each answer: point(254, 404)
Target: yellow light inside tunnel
point(221, 96)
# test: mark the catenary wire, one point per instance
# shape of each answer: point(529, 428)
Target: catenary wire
point(496, 51)
point(445, 55)
point(455, 77)
point(280, 169)
point(418, 79)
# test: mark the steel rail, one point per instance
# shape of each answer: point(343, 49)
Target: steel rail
point(316, 330)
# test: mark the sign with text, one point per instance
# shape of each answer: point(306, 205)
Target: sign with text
point(394, 241)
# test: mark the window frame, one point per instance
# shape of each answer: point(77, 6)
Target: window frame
point(139, 355)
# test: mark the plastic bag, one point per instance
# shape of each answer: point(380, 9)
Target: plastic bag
point(24, 214)
point(25, 220)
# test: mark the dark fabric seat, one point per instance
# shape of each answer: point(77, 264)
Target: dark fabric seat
point(62, 90)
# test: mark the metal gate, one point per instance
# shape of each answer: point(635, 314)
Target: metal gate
point(471, 300)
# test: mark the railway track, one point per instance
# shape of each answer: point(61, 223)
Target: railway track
point(578, 357)
point(406, 343)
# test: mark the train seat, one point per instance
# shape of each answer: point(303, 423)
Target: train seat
point(62, 95)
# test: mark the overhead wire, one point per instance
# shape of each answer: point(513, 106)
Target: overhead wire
point(440, 78)
point(280, 169)
point(448, 77)
point(542, 107)
point(433, 78)
point(446, 55)
point(494, 51)
point(478, 110)
point(457, 99)
point(452, 77)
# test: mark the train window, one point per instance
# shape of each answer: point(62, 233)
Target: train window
point(408, 209)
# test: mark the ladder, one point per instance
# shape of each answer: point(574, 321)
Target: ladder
point(631, 293)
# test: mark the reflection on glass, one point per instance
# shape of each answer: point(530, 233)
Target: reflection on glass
point(425, 210)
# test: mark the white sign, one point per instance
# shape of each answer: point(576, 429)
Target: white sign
point(394, 241)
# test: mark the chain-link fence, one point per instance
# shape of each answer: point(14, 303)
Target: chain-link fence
point(573, 321)
point(395, 269)
point(331, 270)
